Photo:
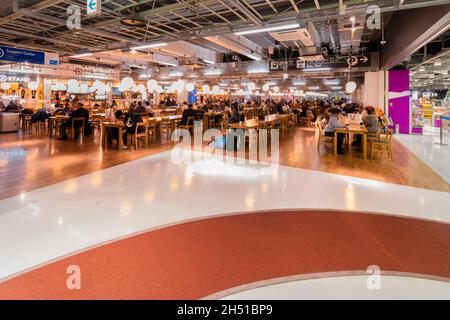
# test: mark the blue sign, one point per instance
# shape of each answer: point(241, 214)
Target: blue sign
point(21, 55)
point(192, 98)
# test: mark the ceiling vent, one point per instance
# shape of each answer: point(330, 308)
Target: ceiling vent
point(301, 34)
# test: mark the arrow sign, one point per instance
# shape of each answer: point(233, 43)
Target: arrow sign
point(364, 59)
point(93, 6)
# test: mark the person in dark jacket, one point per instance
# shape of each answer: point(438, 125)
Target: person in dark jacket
point(130, 121)
point(189, 112)
point(78, 112)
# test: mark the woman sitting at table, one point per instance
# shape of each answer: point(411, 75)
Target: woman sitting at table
point(371, 121)
point(334, 123)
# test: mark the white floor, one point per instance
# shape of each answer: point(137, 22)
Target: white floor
point(427, 148)
point(350, 287)
point(60, 219)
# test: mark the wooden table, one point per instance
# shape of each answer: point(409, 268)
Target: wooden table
point(354, 129)
point(254, 123)
point(246, 125)
point(116, 124)
point(53, 123)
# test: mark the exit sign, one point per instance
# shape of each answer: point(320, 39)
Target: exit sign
point(93, 6)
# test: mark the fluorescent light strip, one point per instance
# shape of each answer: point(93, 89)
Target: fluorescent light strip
point(274, 28)
point(81, 55)
point(317, 69)
point(209, 61)
point(254, 57)
point(149, 46)
point(166, 63)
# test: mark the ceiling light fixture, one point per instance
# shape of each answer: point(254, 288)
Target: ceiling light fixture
point(150, 45)
point(267, 29)
point(254, 57)
point(81, 55)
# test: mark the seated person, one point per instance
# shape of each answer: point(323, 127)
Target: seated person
point(12, 107)
point(130, 120)
point(78, 112)
point(189, 112)
point(334, 123)
point(111, 133)
point(27, 111)
point(140, 108)
point(39, 116)
point(371, 121)
point(236, 116)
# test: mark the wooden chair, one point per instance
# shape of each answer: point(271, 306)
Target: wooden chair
point(189, 125)
point(151, 129)
point(283, 126)
point(96, 121)
point(26, 122)
point(141, 132)
point(305, 120)
point(37, 125)
point(223, 124)
point(165, 127)
point(72, 130)
point(383, 143)
point(322, 138)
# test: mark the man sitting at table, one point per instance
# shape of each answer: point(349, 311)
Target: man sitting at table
point(78, 112)
point(334, 123)
point(189, 112)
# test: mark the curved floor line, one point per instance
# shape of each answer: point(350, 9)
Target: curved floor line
point(197, 259)
point(150, 192)
point(306, 210)
point(319, 275)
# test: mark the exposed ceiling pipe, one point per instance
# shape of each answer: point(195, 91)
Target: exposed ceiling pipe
point(27, 35)
point(62, 22)
point(253, 18)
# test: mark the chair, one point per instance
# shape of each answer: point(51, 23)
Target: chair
point(305, 120)
point(165, 127)
point(383, 143)
point(290, 124)
point(151, 129)
point(141, 132)
point(73, 129)
point(96, 121)
point(322, 138)
point(223, 124)
point(283, 127)
point(25, 122)
point(189, 124)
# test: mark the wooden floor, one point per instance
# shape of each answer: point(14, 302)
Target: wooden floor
point(300, 151)
point(32, 161)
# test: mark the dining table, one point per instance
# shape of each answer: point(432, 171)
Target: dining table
point(119, 125)
point(355, 129)
point(54, 121)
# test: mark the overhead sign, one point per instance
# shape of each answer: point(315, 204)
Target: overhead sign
point(21, 55)
point(327, 62)
point(29, 56)
point(93, 6)
point(14, 78)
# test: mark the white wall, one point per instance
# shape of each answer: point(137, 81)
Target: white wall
point(374, 89)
